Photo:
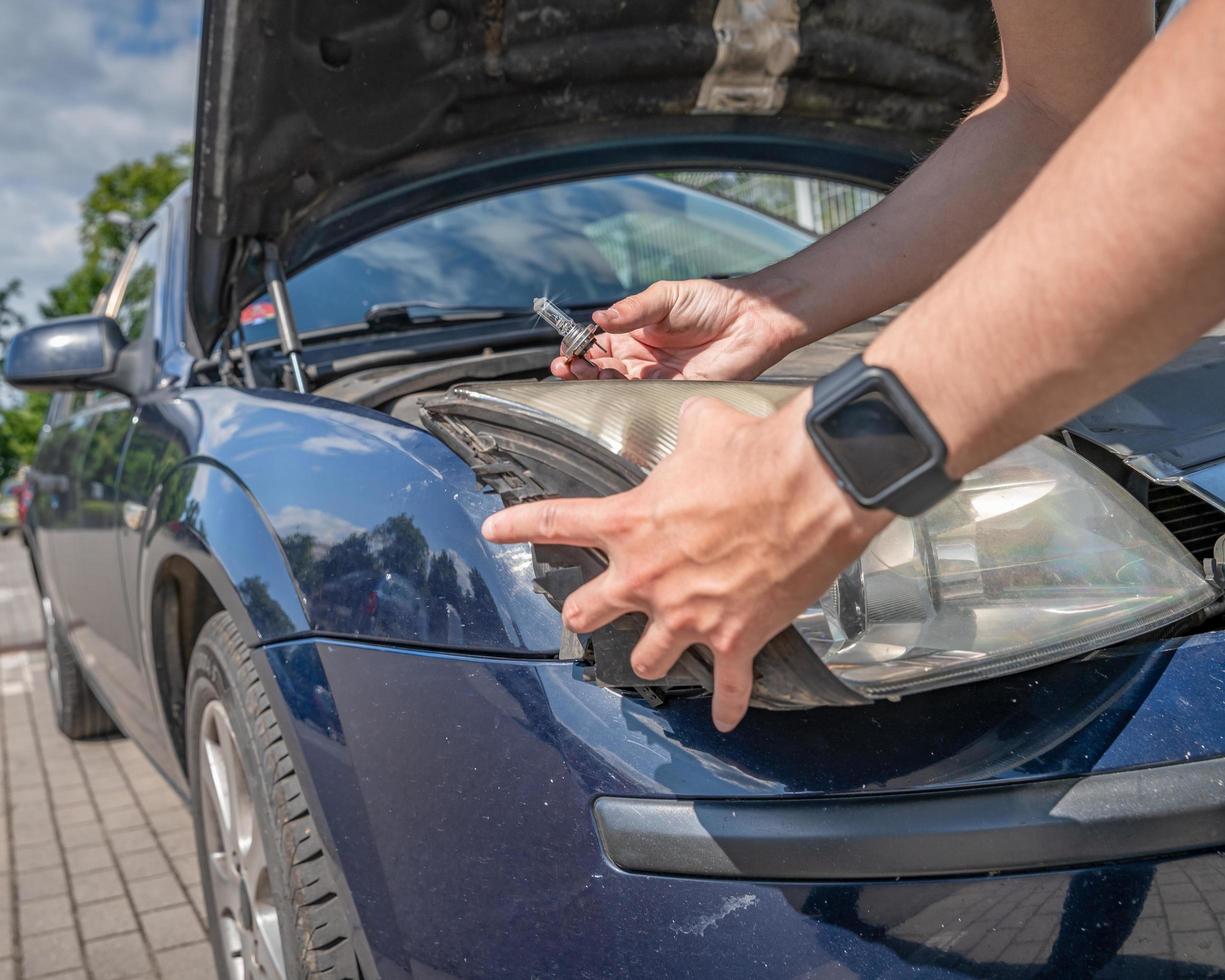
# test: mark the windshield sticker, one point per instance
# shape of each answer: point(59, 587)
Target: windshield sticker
point(258, 312)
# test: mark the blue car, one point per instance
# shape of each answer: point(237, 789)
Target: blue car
point(995, 748)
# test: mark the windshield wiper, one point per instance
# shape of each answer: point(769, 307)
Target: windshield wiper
point(417, 312)
point(427, 313)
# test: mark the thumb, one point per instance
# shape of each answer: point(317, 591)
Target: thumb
point(703, 416)
point(642, 309)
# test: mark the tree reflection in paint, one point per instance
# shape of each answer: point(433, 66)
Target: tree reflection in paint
point(387, 583)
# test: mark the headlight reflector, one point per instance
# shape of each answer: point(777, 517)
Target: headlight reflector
point(1037, 557)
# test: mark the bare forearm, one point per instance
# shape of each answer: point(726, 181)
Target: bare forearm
point(901, 246)
point(1060, 59)
point(1107, 266)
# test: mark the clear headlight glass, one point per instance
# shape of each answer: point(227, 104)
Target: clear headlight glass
point(1037, 557)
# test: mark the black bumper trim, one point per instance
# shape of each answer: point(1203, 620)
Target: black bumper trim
point(1012, 827)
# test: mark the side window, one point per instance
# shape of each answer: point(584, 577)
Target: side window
point(135, 311)
point(63, 405)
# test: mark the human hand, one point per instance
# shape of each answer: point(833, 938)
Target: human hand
point(697, 330)
point(729, 539)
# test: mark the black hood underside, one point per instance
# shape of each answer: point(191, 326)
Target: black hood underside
point(311, 108)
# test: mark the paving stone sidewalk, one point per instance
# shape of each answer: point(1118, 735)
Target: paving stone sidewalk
point(98, 873)
point(21, 624)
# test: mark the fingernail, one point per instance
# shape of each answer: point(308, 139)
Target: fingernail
point(490, 527)
point(723, 726)
point(640, 669)
point(611, 314)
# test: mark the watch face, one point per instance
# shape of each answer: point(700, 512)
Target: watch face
point(871, 442)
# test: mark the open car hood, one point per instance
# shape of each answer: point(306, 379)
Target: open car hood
point(318, 121)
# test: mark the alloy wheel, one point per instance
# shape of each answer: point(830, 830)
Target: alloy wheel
point(242, 897)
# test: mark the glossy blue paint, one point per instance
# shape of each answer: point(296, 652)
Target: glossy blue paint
point(202, 510)
point(364, 526)
point(449, 784)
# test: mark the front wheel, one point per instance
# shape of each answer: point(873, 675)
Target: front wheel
point(273, 908)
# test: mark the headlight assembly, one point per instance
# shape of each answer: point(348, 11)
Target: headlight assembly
point(1037, 557)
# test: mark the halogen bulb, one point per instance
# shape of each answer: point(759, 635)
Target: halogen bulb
point(576, 339)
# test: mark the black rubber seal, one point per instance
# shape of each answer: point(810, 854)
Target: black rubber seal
point(1030, 826)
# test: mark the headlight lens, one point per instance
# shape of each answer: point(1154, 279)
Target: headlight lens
point(1038, 556)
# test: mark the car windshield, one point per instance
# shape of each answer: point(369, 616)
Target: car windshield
point(584, 242)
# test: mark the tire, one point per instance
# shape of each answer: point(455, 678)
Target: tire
point(78, 712)
point(281, 885)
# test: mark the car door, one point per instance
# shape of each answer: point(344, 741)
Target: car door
point(50, 477)
point(86, 553)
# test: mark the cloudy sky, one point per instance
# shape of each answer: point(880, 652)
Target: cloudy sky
point(84, 84)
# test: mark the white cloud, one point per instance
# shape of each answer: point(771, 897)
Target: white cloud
point(335, 444)
point(84, 84)
point(326, 528)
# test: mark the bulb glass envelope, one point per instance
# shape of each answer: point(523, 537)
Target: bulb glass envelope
point(1037, 557)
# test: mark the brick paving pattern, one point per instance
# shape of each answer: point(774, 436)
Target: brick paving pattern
point(21, 622)
point(98, 874)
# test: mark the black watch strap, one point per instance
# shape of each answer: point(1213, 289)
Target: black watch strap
point(882, 447)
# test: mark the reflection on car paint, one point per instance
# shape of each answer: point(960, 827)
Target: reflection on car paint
point(378, 524)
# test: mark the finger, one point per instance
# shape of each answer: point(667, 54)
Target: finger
point(733, 687)
point(593, 605)
point(610, 374)
point(583, 370)
point(560, 368)
point(657, 650)
point(704, 414)
point(549, 522)
point(658, 372)
point(649, 306)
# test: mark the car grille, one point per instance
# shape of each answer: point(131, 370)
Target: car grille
point(1195, 522)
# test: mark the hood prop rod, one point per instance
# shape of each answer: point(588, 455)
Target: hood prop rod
point(274, 279)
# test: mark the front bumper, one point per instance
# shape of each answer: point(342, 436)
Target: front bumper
point(457, 796)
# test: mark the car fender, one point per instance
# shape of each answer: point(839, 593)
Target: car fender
point(204, 515)
point(368, 510)
point(304, 514)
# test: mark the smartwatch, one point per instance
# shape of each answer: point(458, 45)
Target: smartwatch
point(882, 447)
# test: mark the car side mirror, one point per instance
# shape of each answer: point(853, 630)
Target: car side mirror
point(80, 352)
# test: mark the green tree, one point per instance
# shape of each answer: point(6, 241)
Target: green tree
point(19, 428)
point(10, 320)
point(19, 425)
point(122, 200)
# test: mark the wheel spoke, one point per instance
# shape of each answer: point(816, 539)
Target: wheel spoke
point(224, 878)
point(232, 944)
point(217, 782)
point(254, 864)
point(268, 952)
point(236, 789)
point(245, 835)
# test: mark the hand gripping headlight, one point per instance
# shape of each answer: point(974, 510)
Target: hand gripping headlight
point(1037, 557)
